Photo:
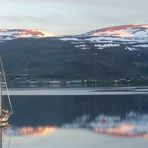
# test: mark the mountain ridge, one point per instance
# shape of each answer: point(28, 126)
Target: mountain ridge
point(121, 27)
point(76, 58)
point(114, 31)
point(10, 34)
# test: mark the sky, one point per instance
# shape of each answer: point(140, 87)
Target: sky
point(65, 17)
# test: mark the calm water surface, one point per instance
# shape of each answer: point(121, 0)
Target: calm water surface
point(111, 117)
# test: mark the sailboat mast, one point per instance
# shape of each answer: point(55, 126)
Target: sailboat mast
point(6, 86)
point(1, 132)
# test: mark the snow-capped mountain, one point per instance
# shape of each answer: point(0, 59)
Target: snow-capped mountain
point(126, 31)
point(9, 34)
point(134, 36)
point(117, 34)
point(116, 52)
point(131, 36)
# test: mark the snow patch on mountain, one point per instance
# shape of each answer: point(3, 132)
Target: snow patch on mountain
point(106, 39)
point(131, 48)
point(143, 45)
point(83, 46)
point(70, 39)
point(101, 46)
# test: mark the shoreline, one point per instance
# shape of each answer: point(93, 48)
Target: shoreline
point(78, 91)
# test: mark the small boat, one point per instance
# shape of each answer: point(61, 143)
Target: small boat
point(5, 103)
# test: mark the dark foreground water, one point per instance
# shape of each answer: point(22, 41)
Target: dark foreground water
point(59, 110)
point(64, 120)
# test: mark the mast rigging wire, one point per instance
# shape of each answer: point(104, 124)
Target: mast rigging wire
point(4, 76)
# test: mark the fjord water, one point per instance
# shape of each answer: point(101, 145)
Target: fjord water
point(111, 117)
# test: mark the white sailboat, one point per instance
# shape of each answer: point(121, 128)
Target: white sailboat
point(5, 103)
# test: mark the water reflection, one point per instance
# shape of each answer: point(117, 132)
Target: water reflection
point(134, 125)
point(31, 131)
point(125, 130)
point(116, 115)
point(37, 131)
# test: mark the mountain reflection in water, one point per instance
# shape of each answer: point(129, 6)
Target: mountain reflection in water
point(118, 115)
point(134, 125)
point(31, 131)
point(125, 130)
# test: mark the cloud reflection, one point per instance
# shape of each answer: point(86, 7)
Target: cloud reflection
point(32, 131)
point(134, 125)
point(38, 131)
point(125, 130)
